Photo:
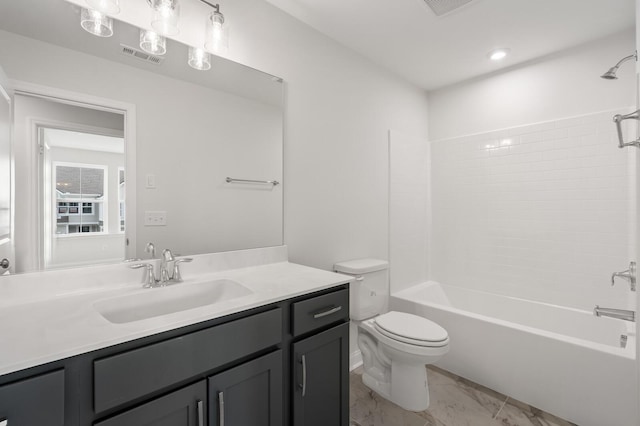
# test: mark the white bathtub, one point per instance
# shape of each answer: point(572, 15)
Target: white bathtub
point(564, 361)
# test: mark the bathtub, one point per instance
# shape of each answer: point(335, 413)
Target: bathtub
point(564, 361)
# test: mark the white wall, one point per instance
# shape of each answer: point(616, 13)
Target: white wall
point(563, 85)
point(539, 212)
point(538, 201)
point(409, 210)
point(339, 109)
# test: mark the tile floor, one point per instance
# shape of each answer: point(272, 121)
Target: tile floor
point(454, 402)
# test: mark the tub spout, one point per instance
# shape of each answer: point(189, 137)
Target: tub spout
point(622, 314)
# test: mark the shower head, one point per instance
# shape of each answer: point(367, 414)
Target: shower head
point(611, 74)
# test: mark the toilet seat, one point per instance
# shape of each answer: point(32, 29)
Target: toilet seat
point(411, 329)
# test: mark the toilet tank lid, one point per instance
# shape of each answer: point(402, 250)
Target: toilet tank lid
point(361, 266)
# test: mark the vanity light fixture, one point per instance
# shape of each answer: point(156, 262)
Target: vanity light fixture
point(109, 7)
point(217, 39)
point(96, 23)
point(152, 42)
point(199, 59)
point(498, 54)
point(166, 14)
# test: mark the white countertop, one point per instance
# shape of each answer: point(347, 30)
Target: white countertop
point(39, 330)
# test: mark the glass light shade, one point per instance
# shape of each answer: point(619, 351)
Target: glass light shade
point(217, 38)
point(166, 14)
point(153, 43)
point(96, 23)
point(199, 59)
point(109, 7)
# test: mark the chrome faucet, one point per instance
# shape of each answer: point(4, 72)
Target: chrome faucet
point(169, 270)
point(622, 314)
point(165, 264)
point(629, 275)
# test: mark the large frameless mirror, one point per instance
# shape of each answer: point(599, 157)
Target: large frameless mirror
point(114, 149)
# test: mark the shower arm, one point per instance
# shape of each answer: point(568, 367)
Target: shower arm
point(625, 59)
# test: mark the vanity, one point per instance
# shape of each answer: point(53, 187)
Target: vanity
point(275, 354)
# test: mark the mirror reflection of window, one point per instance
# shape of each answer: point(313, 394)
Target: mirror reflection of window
point(80, 199)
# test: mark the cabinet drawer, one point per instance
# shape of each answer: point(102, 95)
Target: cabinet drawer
point(34, 401)
point(320, 311)
point(134, 374)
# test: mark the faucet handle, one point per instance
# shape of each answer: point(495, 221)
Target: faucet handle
point(167, 256)
point(148, 277)
point(151, 249)
point(629, 274)
point(177, 277)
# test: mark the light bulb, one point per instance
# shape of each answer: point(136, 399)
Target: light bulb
point(217, 39)
point(165, 16)
point(199, 59)
point(152, 43)
point(110, 7)
point(96, 23)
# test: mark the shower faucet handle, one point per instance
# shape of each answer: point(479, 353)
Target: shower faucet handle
point(618, 119)
point(629, 275)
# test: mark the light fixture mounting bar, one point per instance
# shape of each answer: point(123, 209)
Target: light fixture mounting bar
point(215, 6)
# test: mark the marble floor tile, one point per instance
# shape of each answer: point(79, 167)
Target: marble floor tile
point(454, 402)
point(520, 414)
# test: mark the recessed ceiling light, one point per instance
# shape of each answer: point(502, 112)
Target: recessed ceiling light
point(497, 54)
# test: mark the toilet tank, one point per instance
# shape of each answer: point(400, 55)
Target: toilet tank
point(369, 292)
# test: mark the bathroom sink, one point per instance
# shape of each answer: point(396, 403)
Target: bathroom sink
point(167, 300)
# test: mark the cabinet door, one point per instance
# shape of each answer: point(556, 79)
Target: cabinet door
point(34, 401)
point(184, 407)
point(248, 395)
point(321, 379)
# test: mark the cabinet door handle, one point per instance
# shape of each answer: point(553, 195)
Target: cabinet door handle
point(331, 310)
point(304, 376)
point(221, 408)
point(200, 413)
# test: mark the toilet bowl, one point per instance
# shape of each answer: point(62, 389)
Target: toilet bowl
point(395, 346)
point(394, 359)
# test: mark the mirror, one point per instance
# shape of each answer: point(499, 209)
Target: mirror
point(184, 132)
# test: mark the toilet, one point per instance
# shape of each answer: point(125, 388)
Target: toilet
point(395, 346)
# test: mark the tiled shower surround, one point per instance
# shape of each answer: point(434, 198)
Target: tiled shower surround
point(542, 212)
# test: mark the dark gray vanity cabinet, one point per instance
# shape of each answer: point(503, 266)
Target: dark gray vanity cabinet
point(282, 364)
point(321, 386)
point(321, 360)
point(34, 401)
point(248, 395)
point(184, 407)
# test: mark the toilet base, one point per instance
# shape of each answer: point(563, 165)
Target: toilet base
point(411, 390)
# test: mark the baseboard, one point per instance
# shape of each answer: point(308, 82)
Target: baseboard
point(355, 360)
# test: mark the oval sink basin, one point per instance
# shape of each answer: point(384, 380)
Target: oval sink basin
point(156, 302)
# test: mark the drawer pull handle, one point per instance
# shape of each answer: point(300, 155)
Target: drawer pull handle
point(329, 311)
point(304, 376)
point(200, 413)
point(221, 408)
